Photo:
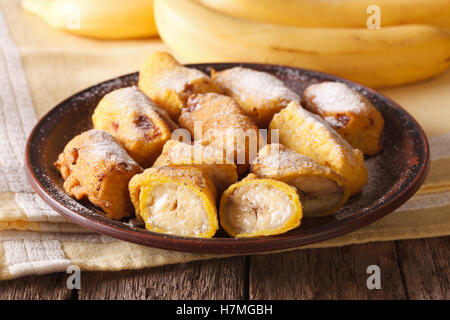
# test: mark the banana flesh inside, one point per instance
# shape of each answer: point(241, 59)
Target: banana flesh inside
point(322, 191)
point(175, 200)
point(309, 135)
point(174, 209)
point(318, 195)
point(259, 207)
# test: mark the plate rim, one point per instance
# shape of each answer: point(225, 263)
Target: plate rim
point(233, 245)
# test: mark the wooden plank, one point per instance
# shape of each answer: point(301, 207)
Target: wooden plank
point(211, 279)
point(330, 273)
point(333, 273)
point(425, 267)
point(52, 286)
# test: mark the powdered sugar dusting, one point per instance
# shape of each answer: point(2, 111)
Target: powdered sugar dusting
point(196, 152)
point(103, 146)
point(321, 124)
point(245, 83)
point(276, 156)
point(335, 97)
point(337, 146)
point(176, 79)
point(127, 94)
point(130, 102)
point(131, 98)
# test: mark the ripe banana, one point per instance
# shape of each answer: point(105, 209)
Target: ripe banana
point(384, 57)
point(103, 19)
point(336, 13)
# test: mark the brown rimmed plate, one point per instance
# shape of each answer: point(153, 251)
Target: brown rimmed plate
point(394, 175)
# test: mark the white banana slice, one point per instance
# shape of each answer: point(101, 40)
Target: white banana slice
point(317, 195)
point(174, 209)
point(322, 191)
point(175, 200)
point(256, 207)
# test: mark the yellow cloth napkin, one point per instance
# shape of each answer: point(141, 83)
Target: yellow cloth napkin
point(40, 66)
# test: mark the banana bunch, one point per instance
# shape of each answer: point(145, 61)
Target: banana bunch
point(388, 56)
point(103, 19)
point(336, 13)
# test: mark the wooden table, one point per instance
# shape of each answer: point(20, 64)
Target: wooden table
point(410, 269)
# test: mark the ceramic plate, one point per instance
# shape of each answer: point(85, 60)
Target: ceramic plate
point(395, 174)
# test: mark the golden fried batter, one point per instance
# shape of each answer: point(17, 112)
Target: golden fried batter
point(221, 170)
point(348, 112)
point(169, 83)
point(94, 166)
point(321, 190)
point(175, 200)
point(135, 122)
point(259, 94)
point(309, 135)
point(222, 125)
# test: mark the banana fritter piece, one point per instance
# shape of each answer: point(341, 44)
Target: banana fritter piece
point(221, 170)
point(259, 94)
point(348, 112)
point(309, 135)
point(259, 207)
point(94, 166)
point(222, 125)
point(175, 200)
point(169, 83)
point(321, 190)
point(135, 122)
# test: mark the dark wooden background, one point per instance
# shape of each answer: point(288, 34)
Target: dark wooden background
point(410, 269)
